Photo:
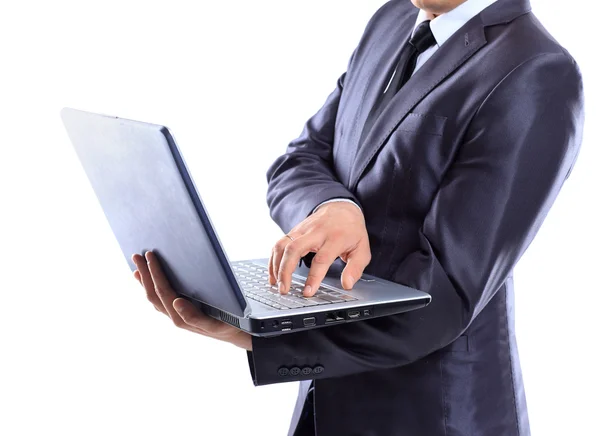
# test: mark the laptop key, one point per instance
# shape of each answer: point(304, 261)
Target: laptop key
point(292, 304)
point(309, 302)
point(278, 305)
point(347, 298)
point(317, 300)
point(331, 298)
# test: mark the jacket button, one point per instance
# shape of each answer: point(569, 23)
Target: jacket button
point(307, 370)
point(318, 369)
point(283, 372)
point(295, 371)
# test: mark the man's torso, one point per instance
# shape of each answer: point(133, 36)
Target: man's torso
point(474, 386)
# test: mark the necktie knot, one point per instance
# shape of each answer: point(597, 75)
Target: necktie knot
point(423, 38)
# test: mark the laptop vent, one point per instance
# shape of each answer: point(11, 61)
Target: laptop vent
point(229, 319)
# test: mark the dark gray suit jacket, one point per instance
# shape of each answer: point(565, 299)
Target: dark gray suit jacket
point(455, 179)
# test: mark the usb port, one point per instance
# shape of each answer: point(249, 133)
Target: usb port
point(286, 323)
point(308, 322)
point(353, 314)
point(334, 317)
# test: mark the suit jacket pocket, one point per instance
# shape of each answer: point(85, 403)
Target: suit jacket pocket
point(423, 123)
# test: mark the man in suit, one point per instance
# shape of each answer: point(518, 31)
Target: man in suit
point(433, 164)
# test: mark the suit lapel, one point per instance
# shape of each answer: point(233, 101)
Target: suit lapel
point(450, 56)
point(387, 53)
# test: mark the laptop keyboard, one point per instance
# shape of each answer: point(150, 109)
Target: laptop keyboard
point(254, 280)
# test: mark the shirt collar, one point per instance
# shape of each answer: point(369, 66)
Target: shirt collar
point(445, 25)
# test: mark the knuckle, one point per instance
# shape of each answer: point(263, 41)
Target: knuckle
point(291, 248)
point(336, 233)
point(322, 259)
point(280, 245)
point(179, 322)
point(313, 278)
point(366, 256)
point(289, 262)
point(152, 299)
point(281, 275)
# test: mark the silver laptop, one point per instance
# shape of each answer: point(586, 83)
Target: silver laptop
point(151, 203)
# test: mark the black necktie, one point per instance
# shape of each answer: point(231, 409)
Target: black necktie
point(421, 40)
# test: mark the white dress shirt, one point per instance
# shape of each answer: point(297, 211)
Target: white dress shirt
point(443, 27)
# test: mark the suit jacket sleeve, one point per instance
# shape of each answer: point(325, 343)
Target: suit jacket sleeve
point(518, 151)
point(304, 177)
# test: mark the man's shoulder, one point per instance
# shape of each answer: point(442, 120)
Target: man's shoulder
point(396, 6)
point(526, 38)
point(392, 11)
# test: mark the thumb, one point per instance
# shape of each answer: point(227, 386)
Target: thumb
point(356, 264)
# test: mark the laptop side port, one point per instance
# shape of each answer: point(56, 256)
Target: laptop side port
point(286, 323)
point(310, 321)
point(334, 317)
point(353, 314)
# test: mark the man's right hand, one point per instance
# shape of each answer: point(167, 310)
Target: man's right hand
point(334, 230)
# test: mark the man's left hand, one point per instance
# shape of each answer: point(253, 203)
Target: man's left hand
point(182, 312)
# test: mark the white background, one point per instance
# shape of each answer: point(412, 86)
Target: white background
point(81, 350)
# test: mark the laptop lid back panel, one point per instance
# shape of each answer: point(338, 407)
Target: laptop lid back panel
point(148, 197)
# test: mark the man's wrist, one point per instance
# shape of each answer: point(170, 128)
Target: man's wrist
point(337, 200)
